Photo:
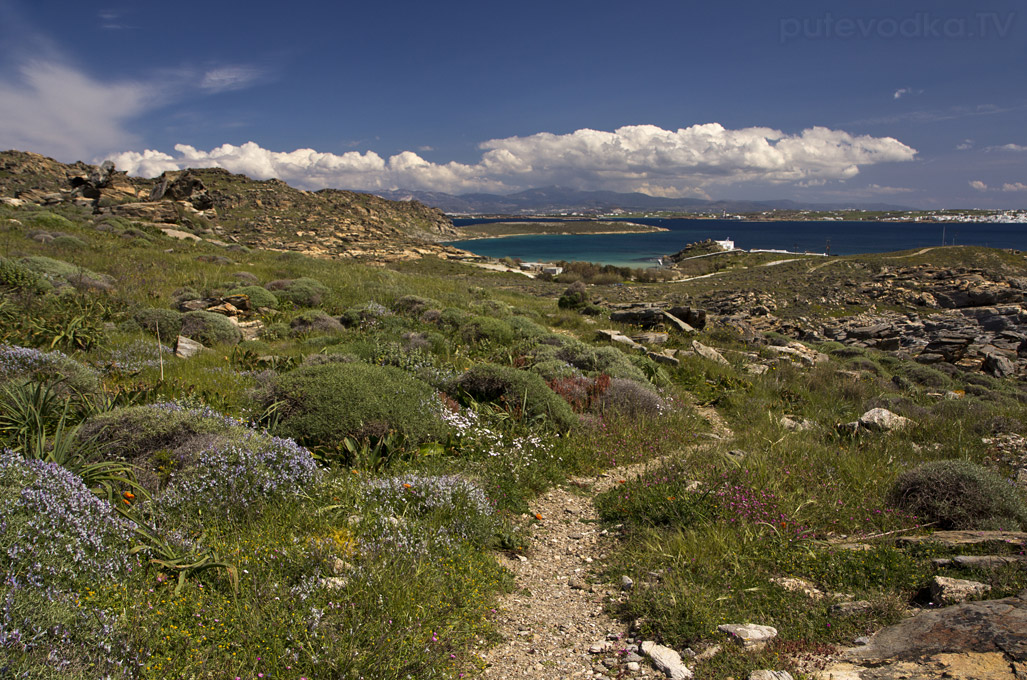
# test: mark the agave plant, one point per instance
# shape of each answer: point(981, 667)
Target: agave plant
point(36, 421)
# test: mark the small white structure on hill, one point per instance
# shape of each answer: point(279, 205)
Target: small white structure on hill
point(726, 244)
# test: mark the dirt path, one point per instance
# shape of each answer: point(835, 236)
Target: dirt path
point(557, 610)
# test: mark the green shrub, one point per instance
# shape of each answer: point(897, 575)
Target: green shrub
point(60, 272)
point(314, 321)
point(956, 494)
point(517, 391)
point(301, 292)
point(209, 328)
point(452, 317)
point(69, 242)
point(413, 305)
point(525, 328)
point(168, 322)
point(49, 220)
point(486, 329)
point(322, 404)
point(575, 297)
point(16, 275)
point(259, 297)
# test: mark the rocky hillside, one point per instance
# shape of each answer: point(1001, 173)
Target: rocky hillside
point(226, 208)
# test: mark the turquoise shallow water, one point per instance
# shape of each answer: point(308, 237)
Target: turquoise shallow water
point(840, 238)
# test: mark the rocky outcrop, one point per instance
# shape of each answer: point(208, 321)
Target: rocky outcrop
point(233, 208)
point(983, 640)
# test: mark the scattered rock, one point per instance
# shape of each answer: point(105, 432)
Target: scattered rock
point(651, 338)
point(770, 675)
point(945, 590)
point(883, 420)
point(664, 357)
point(186, 348)
point(850, 608)
point(709, 353)
point(749, 635)
point(796, 425)
point(975, 641)
point(610, 335)
point(626, 583)
point(798, 585)
point(666, 660)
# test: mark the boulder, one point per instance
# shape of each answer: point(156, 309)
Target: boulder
point(770, 675)
point(610, 335)
point(709, 353)
point(883, 420)
point(665, 660)
point(186, 348)
point(651, 338)
point(749, 635)
point(945, 590)
point(977, 640)
point(665, 357)
point(998, 365)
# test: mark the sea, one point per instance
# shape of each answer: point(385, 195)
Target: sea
point(833, 238)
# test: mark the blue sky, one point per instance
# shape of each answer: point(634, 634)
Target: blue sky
point(912, 103)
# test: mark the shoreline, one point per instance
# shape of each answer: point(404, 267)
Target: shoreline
point(640, 229)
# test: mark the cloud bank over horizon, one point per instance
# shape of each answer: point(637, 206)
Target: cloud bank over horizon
point(642, 158)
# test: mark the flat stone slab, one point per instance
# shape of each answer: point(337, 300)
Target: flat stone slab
point(749, 635)
point(957, 538)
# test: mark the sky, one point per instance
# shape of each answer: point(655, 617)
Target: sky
point(922, 104)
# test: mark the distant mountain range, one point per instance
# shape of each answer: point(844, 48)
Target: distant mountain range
point(559, 200)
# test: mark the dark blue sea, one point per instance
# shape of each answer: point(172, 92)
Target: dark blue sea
point(837, 238)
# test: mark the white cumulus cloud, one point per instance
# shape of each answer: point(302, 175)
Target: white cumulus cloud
point(632, 158)
point(1015, 186)
point(978, 185)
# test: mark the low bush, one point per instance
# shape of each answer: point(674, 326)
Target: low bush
point(159, 320)
point(58, 271)
point(301, 292)
point(322, 404)
point(632, 399)
point(956, 494)
point(517, 391)
point(413, 305)
point(25, 363)
point(575, 297)
point(314, 321)
point(259, 297)
point(480, 329)
point(209, 328)
point(17, 276)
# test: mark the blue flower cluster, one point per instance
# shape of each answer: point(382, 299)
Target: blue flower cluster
point(53, 530)
point(137, 355)
point(18, 361)
point(459, 507)
point(237, 472)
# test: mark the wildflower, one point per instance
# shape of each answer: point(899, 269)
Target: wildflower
point(538, 515)
point(128, 495)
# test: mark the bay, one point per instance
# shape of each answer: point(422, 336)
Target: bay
point(836, 237)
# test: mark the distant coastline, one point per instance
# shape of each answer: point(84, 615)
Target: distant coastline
point(513, 228)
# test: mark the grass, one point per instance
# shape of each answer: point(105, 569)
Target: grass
point(381, 564)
